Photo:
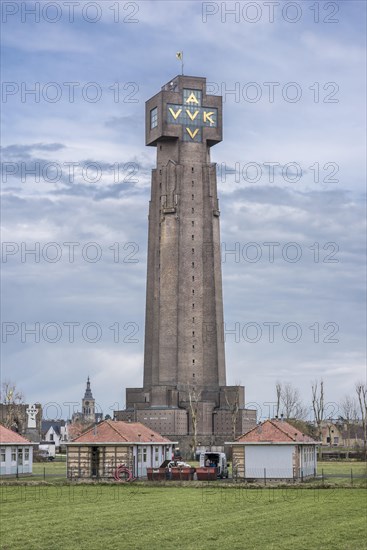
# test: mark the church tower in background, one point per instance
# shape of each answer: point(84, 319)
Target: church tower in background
point(184, 391)
point(88, 404)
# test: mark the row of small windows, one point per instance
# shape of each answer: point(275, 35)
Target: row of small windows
point(23, 454)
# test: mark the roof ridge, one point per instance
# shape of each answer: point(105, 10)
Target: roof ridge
point(109, 423)
point(25, 439)
point(83, 433)
point(278, 427)
point(249, 431)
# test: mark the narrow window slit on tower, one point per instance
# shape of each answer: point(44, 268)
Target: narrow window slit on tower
point(192, 210)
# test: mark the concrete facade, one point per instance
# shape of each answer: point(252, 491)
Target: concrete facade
point(184, 361)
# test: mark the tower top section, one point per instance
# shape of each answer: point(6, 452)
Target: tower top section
point(88, 391)
point(182, 110)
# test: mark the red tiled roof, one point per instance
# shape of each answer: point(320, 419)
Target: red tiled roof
point(274, 431)
point(75, 429)
point(8, 436)
point(111, 431)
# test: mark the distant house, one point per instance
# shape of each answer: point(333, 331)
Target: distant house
point(331, 434)
point(97, 452)
point(339, 433)
point(274, 450)
point(54, 432)
point(16, 453)
point(353, 435)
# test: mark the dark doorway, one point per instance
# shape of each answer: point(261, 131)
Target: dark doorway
point(95, 461)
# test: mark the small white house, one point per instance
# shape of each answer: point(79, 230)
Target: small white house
point(274, 450)
point(54, 432)
point(16, 453)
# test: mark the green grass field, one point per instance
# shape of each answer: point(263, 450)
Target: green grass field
point(137, 517)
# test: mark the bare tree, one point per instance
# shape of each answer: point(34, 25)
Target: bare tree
point(361, 390)
point(194, 398)
point(11, 397)
point(233, 404)
point(349, 416)
point(318, 406)
point(291, 402)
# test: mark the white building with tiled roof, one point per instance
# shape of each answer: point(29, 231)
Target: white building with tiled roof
point(16, 453)
point(274, 450)
point(99, 451)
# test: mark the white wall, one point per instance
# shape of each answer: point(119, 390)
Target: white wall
point(308, 460)
point(275, 459)
point(151, 459)
point(21, 464)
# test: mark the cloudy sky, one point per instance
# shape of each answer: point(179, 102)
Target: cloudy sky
point(76, 186)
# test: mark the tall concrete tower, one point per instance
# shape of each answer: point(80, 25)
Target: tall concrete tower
point(184, 390)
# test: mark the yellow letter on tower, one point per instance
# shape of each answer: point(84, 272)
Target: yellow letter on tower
point(192, 99)
point(208, 116)
point(193, 115)
point(173, 113)
point(192, 134)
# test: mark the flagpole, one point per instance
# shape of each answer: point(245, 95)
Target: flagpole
point(179, 56)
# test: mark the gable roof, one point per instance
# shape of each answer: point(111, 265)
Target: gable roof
point(55, 424)
point(274, 431)
point(113, 431)
point(9, 437)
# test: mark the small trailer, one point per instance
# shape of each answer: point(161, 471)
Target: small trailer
point(47, 450)
point(213, 459)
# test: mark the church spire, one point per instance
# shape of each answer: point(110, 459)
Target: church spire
point(88, 391)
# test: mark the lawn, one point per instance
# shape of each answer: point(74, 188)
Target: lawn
point(137, 517)
point(343, 467)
